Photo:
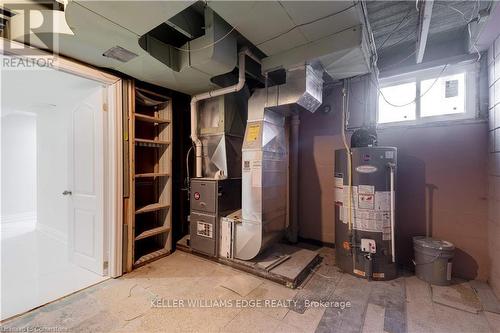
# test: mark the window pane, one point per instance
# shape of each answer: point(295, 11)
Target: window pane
point(398, 95)
point(447, 96)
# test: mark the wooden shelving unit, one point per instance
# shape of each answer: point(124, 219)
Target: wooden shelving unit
point(148, 206)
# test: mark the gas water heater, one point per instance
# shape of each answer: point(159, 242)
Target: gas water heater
point(364, 212)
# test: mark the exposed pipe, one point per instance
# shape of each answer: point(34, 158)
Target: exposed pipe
point(393, 209)
point(294, 193)
point(213, 93)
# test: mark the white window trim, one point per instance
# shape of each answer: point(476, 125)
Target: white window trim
point(471, 70)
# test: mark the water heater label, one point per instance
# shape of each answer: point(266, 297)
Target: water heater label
point(339, 189)
point(366, 169)
point(370, 208)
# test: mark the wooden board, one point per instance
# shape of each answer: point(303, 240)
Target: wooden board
point(152, 208)
point(458, 295)
point(291, 272)
point(151, 142)
point(486, 296)
point(150, 181)
point(150, 257)
point(151, 175)
point(150, 119)
point(152, 232)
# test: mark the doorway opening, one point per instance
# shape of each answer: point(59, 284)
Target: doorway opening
point(55, 230)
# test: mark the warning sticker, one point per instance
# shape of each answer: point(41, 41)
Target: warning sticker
point(382, 200)
point(451, 88)
point(204, 229)
point(246, 165)
point(256, 173)
point(339, 189)
point(370, 209)
point(253, 132)
point(366, 201)
point(366, 189)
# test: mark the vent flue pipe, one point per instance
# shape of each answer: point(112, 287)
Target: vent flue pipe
point(214, 93)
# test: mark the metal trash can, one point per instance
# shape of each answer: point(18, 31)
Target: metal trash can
point(433, 260)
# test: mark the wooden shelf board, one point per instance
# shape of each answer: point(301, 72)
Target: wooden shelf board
point(150, 119)
point(151, 208)
point(152, 142)
point(151, 175)
point(152, 232)
point(150, 257)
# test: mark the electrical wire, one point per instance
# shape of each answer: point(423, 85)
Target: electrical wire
point(397, 28)
point(401, 61)
point(415, 99)
point(270, 39)
point(220, 39)
point(410, 33)
point(468, 21)
point(306, 23)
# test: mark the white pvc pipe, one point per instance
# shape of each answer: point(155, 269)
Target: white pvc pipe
point(393, 243)
point(223, 91)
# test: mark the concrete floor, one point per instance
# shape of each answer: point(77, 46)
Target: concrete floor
point(143, 301)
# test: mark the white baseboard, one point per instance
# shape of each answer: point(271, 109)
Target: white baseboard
point(20, 217)
point(52, 232)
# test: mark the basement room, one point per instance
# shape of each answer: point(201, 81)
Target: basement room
point(250, 166)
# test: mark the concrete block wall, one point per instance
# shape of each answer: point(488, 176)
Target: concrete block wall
point(494, 165)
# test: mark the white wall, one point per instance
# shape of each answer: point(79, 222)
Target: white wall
point(52, 170)
point(51, 96)
point(18, 166)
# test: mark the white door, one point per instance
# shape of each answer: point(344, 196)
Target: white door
point(86, 186)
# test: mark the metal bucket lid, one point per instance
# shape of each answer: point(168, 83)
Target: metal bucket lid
point(432, 243)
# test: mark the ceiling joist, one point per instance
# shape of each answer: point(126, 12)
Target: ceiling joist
point(424, 22)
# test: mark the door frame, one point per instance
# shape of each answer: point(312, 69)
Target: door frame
point(113, 147)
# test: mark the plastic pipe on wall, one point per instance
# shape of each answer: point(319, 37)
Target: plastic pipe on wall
point(219, 92)
point(393, 243)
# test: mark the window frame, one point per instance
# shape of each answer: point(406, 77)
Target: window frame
point(471, 71)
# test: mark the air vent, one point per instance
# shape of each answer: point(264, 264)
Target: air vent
point(120, 54)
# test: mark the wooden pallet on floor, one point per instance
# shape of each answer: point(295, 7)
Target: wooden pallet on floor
point(284, 264)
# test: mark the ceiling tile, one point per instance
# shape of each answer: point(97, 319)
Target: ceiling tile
point(333, 24)
point(306, 11)
point(258, 21)
point(138, 17)
point(285, 42)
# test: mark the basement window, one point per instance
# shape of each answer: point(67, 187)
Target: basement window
point(438, 94)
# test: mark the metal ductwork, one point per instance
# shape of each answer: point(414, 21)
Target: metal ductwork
point(221, 125)
point(265, 162)
point(214, 53)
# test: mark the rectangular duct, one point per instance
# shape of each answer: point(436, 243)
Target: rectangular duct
point(221, 128)
point(265, 160)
